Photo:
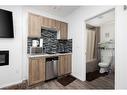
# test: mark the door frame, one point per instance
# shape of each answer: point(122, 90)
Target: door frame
point(92, 17)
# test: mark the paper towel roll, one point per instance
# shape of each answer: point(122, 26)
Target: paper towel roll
point(41, 42)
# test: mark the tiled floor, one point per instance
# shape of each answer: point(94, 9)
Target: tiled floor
point(106, 82)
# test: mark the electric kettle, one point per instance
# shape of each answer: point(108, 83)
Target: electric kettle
point(35, 43)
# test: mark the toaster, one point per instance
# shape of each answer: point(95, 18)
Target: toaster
point(36, 50)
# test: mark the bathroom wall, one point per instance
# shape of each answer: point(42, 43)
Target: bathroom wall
point(107, 33)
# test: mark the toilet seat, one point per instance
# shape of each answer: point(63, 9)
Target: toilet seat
point(103, 64)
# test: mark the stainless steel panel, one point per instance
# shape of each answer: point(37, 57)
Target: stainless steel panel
point(55, 65)
point(51, 69)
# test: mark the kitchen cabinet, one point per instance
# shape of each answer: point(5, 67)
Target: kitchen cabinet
point(36, 22)
point(36, 70)
point(34, 25)
point(51, 23)
point(47, 22)
point(63, 30)
point(64, 65)
point(61, 67)
point(68, 64)
point(58, 25)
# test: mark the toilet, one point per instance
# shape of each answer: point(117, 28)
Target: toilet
point(105, 64)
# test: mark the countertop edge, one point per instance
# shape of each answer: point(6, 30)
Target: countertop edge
point(47, 55)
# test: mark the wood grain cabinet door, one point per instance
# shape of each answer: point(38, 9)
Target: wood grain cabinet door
point(58, 25)
point(34, 25)
point(46, 22)
point(64, 65)
point(36, 70)
point(61, 65)
point(53, 23)
point(67, 64)
point(63, 30)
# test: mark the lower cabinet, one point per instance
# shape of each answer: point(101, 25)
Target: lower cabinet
point(64, 65)
point(36, 70)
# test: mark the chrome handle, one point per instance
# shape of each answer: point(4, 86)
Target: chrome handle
point(55, 67)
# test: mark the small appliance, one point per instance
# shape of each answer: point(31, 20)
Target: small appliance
point(35, 43)
point(36, 50)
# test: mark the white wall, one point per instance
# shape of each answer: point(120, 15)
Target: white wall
point(17, 70)
point(12, 73)
point(77, 31)
point(121, 48)
point(108, 27)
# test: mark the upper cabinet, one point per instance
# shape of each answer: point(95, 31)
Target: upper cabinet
point(58, 25)
point(34, 25)
point(63, 30)
point(36, 22)
point(47, 22)
point(53, 23)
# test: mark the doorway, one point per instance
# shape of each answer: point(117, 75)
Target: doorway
point(100, 52)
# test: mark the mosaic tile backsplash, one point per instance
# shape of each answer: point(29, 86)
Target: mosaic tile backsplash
point(64, 45)
point(50, 42)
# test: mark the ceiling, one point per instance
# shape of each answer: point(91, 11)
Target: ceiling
point(57, 10)
point(103, 18)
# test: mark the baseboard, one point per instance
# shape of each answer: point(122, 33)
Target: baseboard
point(78, 77)
point(22, 85)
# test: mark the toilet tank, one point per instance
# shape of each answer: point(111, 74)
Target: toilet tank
point(106, 59)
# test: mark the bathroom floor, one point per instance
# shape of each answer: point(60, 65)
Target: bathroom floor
point(94, 75)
